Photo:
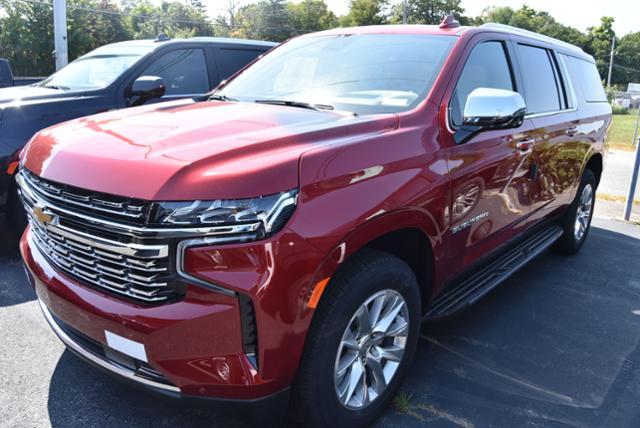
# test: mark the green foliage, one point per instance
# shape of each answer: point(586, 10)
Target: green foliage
point(429, 11)
point(26, 39)
point(616, 109)
point(26, 26)
point(311, 15)
point(365, 12)
point(264, 20)
point(534, 20)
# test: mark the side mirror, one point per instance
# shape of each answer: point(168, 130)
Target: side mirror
point(146, 88)
point(488, 109)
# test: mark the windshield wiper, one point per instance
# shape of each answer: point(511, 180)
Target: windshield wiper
point(292, 103)
point(61, 88)
point(220, 97)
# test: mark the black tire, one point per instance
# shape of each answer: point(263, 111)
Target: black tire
point(570, 243)
point(369, 273)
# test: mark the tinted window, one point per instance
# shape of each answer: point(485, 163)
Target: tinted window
point(587, 77)
point(184, 71)
point(540, 86)
point(486, 67)
point(232, 60)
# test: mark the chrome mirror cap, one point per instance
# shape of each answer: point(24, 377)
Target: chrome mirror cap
point(494, 109)
point(489, 108)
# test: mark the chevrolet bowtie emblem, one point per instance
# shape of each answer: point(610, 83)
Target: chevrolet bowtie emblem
point(42, 217)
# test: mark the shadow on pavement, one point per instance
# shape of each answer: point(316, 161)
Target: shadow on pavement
point(14, 288)
point(83, 396)
point(556, 345)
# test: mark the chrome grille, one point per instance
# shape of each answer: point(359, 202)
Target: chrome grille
point(129, 210)
point(137, 267)
point(143, 279)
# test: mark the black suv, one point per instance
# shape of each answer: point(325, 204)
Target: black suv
point(112, 77)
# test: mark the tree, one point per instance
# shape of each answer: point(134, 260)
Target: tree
point(366, 12)
point(265, 20)
point(175, 19)
point(26, 31)
point(429, 11)
point(533, 20)
point(88, 29)
point(627, 60)
point(599, 44)
point(311, 15)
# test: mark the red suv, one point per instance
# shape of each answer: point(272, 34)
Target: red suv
point(285, 238)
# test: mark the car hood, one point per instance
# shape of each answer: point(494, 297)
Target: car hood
point(186, 150)
point(30, 94)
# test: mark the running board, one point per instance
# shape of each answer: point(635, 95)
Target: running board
point(481, 282)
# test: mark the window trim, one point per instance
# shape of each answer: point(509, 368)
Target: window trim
point(514, 81)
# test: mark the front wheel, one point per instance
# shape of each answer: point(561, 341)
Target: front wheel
point(577, 220)
point(361, 343)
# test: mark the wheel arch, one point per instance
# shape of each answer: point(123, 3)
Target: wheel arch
point(410, 235)
point(595, 163)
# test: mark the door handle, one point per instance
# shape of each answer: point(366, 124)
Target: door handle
point(524, 147)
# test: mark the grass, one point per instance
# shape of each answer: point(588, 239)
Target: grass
point(402, 402)
point(615, 198)
point(621, 132)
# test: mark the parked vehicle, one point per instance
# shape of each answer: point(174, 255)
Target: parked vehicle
point(112, 77)
point(7, 79)
point(287, 237)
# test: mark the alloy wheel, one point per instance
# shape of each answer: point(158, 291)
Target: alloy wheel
point(371, 349)
point(583, 212)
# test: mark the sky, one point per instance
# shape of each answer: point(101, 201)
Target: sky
point(580, 14)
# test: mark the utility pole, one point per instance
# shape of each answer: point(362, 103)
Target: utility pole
point(405, 11)
point(613, 46)
point(634, 175)
point(61, 53)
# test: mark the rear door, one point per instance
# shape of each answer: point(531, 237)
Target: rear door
point(490, 186)
point(551, 106)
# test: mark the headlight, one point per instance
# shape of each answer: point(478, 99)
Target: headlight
point(270, 212)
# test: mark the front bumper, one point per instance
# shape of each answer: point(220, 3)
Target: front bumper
point(273, 405)
point(194, 346)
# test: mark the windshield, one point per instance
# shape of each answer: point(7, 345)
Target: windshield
point(97, 69)
point(364, 74)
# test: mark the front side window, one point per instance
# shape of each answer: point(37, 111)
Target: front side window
point(184, 72)
point(365, 73)
point(541, 87)
point(96, 70)
point(486, 67)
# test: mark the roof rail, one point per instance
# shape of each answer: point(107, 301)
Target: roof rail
point(541, 37)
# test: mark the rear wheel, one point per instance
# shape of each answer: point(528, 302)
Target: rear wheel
point(577, 220)
point(361, 343)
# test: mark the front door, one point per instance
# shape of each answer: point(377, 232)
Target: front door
point(490, 173)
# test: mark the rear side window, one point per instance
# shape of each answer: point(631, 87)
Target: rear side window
point(542, 93)
point(587, 77)
point(486, 67)
point(232, 60)
point(184, 72)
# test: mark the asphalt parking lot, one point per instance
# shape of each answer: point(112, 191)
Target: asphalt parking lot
point(557, 345)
